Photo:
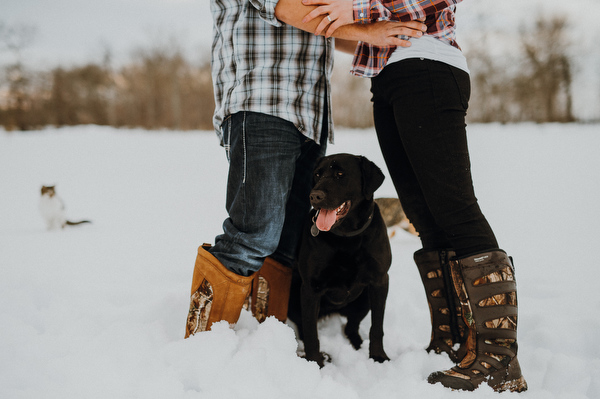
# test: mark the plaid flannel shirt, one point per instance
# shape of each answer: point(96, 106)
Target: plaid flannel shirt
point(262, 65)
point(369, 60)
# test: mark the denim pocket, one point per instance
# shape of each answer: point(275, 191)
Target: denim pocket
point(226, 129)
point(463, 85)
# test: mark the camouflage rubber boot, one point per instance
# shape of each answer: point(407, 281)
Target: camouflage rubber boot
point(487, 291)
point(447, 326)
point(217, 293)
point(271, 291)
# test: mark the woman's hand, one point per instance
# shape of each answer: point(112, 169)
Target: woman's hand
point(385, 33)
point(336, 13)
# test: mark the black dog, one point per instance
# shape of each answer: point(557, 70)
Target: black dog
point(344, 255)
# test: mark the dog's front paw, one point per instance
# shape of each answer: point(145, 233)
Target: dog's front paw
point(354, 337)
point(379, 357)
point(355, 340)
point(321, 358)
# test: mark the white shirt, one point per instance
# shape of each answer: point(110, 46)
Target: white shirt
point(430, 48)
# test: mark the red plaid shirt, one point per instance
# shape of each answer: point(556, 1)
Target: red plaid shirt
point(369, 60)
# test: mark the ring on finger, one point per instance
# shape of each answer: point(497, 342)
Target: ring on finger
point(329, 18)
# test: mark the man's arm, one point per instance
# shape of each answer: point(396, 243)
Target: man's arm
point(345, 46)
point(292, 12)
point(384, 33)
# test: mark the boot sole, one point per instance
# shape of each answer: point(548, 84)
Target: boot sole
point(518, 385)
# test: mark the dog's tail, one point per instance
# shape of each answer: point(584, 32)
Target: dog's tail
point(69, 223)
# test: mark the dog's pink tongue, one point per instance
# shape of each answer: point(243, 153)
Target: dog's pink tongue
point(325, 220)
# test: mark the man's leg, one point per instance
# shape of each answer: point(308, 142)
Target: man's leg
point(271, 286)
point(263, 152)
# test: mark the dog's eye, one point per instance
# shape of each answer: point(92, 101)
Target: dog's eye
point(339, 175)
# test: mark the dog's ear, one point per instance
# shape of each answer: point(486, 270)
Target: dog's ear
point(372, 177)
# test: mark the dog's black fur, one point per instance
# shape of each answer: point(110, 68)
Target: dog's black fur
point(345, 269)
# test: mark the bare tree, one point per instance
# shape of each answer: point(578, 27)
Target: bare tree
point(490, 82)
point(79, 95)
point(350, 97)
point(14, 39)
point(548, 73)
point(533, 84)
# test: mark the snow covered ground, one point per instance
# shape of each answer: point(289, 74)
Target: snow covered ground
point(98, 311)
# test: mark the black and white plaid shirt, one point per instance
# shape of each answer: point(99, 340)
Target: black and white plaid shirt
point(262, 65)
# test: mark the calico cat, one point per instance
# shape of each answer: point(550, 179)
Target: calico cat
point(52, 209)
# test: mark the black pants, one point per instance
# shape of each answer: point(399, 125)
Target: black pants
point(419, 110)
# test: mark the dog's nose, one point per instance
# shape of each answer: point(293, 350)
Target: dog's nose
point(317, 196)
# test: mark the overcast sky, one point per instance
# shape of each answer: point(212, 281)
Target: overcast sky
point(77, 31)
point(74, 32)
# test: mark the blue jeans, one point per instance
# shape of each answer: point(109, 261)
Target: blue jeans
point(270, 177)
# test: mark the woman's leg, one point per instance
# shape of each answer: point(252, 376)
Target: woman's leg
point(428, 101)
point(405, 180)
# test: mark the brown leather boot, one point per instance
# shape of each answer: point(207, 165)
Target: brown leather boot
point(271, 291)
point(447, 326)
point(487, 291)
point(217, 293)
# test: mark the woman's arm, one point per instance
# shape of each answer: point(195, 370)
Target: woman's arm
point(384, 33)
point(366, 11)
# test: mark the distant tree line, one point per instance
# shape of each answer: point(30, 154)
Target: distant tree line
point(159, 88)
point(533, 83)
